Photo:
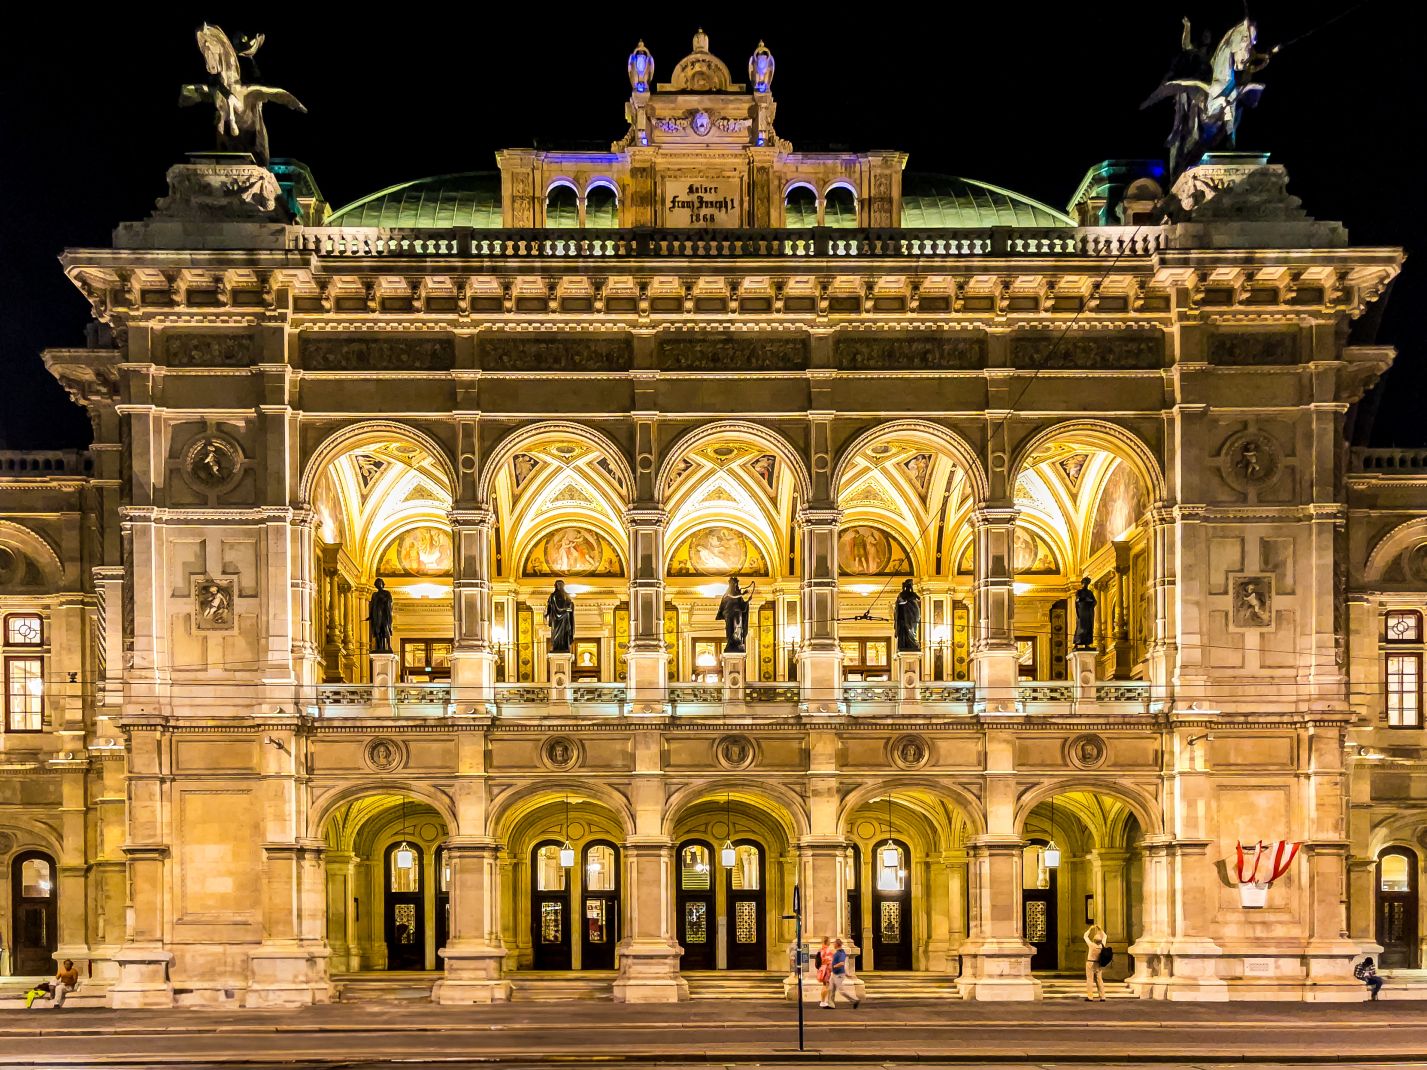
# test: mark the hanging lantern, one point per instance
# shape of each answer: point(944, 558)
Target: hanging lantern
point(1051, 855)
point(891, 856)
point(567, 855)
point(727, 855)
point(405, 856)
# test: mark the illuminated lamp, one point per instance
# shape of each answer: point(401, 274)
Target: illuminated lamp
point(727, 855)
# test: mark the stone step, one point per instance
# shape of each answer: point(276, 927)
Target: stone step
point(388, 987)
point(543, 986)
point(13, 989)
point(735, 984)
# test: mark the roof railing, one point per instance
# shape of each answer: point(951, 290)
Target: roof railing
point(25, 463)
point(772, 242)
point(1390, 460)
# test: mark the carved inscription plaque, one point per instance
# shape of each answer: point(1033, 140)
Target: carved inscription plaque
point(554, 353)
point(856, 352)
point(207, 349)
point(360, 352)
point(1061, 350)
point(731, 352)
point(1253, 347)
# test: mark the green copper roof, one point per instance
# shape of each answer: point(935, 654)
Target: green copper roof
point(930, 200)
point(471, 199)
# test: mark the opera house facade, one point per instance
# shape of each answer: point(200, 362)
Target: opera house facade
point(1166, 668)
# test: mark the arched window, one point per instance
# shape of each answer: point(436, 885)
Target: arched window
point(562, 208)
point(891, 867)
point(840, 207)
point(1394, 875)
point(800, 207)
point(36, 878)
point(601, 871)
point(549, 874)
point(694, 868)
point(745, 872)
point(601, 207)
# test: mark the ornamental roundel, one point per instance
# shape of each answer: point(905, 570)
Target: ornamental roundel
point(1087, 751)
point(735, 752)
point(212, 463)
point(910, 751)
point(560, 753)
point(1249, 459)
point(385, 755)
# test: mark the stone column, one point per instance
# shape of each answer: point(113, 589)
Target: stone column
point(823, 888)
point(939, 913)
point(649, 951)
point(993, 641)
point(303, 594)
point(143, 960)
point(72, 864)
point(956, 899)
point(819, 655)
point(995, 958)
point(1163, 646)
point(647, 663)
point(349, 641)
point(332, 618)
point(472, 658)
point(475, 951)
point(341, 867)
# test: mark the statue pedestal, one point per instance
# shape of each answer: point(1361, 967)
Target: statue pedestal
point(560, 668)
point(384, 676)
point(909, 680)
point(735, 679)
point(1081, 664)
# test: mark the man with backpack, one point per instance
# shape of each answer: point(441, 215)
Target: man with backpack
point(1098, 955)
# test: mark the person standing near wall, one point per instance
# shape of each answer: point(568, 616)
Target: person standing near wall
point(1095, 941)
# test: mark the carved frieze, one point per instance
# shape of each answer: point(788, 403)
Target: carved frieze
point(939, 352)
point(1243, 348)
point(1050, 350)
point(377, 353)
point(731, 352)
point(554, 353)
point(207, 349)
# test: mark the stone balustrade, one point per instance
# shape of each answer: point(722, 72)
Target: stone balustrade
point(1405, 461)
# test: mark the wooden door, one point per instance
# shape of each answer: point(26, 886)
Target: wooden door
point(34, 898)
point(600, 917)
point(549, 908)
point(1397, 909)
point(891, 906)
point(695, 906)
point(747, 909)
point(405, 922)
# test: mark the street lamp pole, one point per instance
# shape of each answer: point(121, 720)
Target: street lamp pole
point(797, 917)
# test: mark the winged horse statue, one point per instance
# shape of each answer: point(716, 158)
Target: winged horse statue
point(1210, 92)
point(239, 105)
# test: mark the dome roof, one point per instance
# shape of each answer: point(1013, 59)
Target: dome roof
point(471, 199)
point(930, 200)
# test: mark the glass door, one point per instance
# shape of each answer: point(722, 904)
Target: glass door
point(1397, 908)
point(33, 898)
point(601, 908)
point(549, 909)
point(891, 906)
point(747, 916)
point(1038, 907)
point(695, 906)
point(405, 911)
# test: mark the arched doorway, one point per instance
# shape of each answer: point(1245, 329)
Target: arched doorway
point(747, 908)
point(404, 916)
point(387, 886)
point(549, 908)
point(695, 906)
point(600, 932)
point(34, 914)
point(1397, 908)
point(892, 907)
point(1080, 867)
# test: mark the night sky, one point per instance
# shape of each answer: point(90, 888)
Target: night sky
point(89, 122)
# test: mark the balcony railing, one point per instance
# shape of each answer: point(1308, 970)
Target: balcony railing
point(1406, 462)
point(435, 699)
point(657, 244)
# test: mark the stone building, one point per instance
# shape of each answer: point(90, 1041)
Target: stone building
point(705, 354)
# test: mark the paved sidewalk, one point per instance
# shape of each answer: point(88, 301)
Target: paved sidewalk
point(909, 1031)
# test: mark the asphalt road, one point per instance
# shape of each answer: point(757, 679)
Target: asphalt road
point(888, 1033)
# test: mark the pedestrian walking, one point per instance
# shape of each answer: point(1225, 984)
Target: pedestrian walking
point(838, 978)
point(1096, 943)
point(65, 982)
point(1366, 972)
point(824, 963)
